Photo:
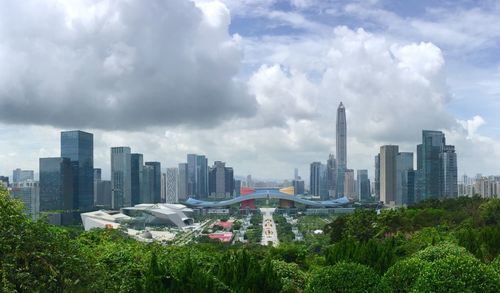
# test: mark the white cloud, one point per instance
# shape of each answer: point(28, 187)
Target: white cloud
point(98, 63)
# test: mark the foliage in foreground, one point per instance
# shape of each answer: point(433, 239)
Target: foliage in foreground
point(398, 251)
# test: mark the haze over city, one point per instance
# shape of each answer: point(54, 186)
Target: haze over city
point(253, 83)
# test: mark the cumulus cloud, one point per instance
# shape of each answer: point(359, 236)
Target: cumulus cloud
point(119, 64)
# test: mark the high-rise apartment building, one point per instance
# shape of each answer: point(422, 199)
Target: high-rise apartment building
point(121, 185)
point(78, 146)
point(56, 184)
point(388, 174)
point(19, 175)
point(341, 149)
point(156, 189)
point(172, 179)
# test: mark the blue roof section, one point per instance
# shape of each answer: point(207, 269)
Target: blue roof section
point(264, 194)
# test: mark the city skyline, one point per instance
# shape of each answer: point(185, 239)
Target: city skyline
point(269, 95)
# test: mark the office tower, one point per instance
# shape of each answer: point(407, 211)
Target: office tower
point(229, 182)
point(78, 146)
point(376, 185)
point(56, 184)
point(19, 175)
point(449, 173)
point(4, 180)
point(363, 184)
point(121, 187)
point(197, 176)
point(237, 188)
point(29, 193)
point(221, 180)
point(201, 176)
point(341, 145)
point(182, 192)
point(315, 178)
point(350, 184)
point(164, 187)
point(172, 179)
point(296, 173)
point(436, 174)
point(298, 186)
point(331, 175)
point(97, 181)
point(156, 181)
point(191, 179)
point(388, 174)
point(404, 165)
point(147, 184)
point(136, 169)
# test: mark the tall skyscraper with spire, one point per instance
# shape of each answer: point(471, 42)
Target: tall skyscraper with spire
point(341, 144)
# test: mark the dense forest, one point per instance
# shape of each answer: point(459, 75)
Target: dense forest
point(435, 246)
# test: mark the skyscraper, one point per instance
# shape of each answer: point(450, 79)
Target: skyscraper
point(97, 182)
point(147, 184)
point(318, 181)
point(183, 182)
point(78, 146)
point(388, 174)
point(341, 148)
point(449, 173)
point(436, 174)
point(405, 187)
point(121, 187)
point(136, 169)
point(350, 184)
point(221, 180)
point(197, 176)
point(377, 177)
point(363, 184)
point(156, 192)
point(28, 192)
point(331, 175)
point(172, 185)
point(19, 175)
point(56, 184)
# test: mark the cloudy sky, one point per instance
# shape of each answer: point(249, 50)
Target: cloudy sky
point(255, 83)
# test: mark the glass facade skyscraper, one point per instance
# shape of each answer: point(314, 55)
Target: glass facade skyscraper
point(136, 169)
point(156, 180)
point(56, 184)
point(182, 191)
point(121, 187)
point(197, 176)
point(78, 146)
point(436, 176)
point(363, 185)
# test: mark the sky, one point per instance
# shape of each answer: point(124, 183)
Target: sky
point(254, 83)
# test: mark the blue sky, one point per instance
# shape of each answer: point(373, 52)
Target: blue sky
point(253, 83)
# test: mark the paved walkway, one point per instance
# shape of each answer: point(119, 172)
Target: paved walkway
point(269, 233)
